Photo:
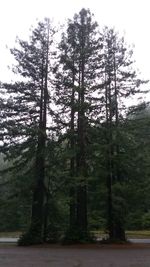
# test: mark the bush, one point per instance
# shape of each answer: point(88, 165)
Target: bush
point(75, 236)
point(146, 221)
point(53, 233)
point(134, 221)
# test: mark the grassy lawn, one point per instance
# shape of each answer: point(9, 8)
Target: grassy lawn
point(100, 233)
point(129, 234)
point(10, 234)
point(138, 234)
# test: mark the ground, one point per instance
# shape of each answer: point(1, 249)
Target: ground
point(135, 255)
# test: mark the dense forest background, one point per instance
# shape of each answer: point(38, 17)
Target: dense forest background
point(74, 156)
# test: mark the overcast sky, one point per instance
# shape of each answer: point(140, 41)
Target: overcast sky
point(130, 16)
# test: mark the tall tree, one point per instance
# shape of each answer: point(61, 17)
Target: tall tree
point(79, 55)
point(26, 107)
point(122, 83)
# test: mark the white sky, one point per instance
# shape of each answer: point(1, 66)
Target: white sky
point(131, 16)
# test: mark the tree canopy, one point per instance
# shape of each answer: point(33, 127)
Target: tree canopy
point(71, 145)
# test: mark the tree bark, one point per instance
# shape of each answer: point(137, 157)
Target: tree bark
point(72, 160)
point(37, 219)
point(81, 161)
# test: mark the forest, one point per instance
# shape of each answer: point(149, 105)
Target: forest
point(74, 155)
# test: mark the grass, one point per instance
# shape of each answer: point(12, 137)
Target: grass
point(100, 233)
point(129, 234)
point(10, 234)
point(138, 234)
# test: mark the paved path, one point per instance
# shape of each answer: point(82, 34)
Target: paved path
point(8, 240)
point(55, 256)
point(140, 241)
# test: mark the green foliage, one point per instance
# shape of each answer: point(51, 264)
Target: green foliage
point(30, 237)
point(134, 220)
point(74, 236)
point(119, 202)
point(86, 139)
point(97, 220)
point(53, 232)
point(146, 221)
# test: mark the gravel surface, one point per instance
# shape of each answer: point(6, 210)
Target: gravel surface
point(75, 256)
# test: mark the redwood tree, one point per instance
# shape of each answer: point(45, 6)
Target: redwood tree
point(120, 83)
point(27, 108)
point(75, 87)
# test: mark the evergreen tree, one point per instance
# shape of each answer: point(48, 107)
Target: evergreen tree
point(91, 140)
point(24, 133)
point(122, 83)
point(76, 82)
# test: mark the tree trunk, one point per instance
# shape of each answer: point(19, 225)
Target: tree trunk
point(38, 217)
point(81, 161)
point(115, 224)
point(109, 161)
point(72, 160)
point(119, 230)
